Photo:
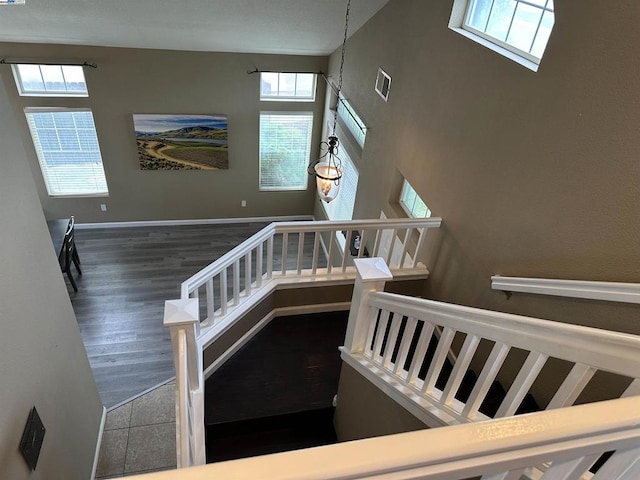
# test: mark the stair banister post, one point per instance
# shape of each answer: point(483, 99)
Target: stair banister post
point(183, 319)
point(371, 276)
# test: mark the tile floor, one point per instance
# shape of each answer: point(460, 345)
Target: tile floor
point(140, 436)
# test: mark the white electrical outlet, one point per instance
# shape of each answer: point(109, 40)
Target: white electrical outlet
point(243, 203)
point(103, 207)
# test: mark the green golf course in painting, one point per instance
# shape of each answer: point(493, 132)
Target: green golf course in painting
point(182, 142)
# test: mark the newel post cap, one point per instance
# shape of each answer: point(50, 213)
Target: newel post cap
point(181, 312)
point(372, 269)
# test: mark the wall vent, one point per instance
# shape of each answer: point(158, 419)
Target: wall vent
point(383, 84)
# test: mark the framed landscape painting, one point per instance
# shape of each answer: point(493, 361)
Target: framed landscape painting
point(182, 142)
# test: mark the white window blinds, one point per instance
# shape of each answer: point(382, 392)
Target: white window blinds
point(285, 147)
point(67, 147)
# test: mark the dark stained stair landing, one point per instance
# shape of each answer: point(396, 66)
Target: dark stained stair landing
point(275, 393)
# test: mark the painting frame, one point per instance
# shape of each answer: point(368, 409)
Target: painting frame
point(182, 141)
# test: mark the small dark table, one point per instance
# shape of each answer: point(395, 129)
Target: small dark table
point(57, 229)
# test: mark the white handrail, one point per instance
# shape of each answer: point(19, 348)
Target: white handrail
point(609, 291)
point(390, 337)
point(264, 240)
point(569, 438)
point(612, 351)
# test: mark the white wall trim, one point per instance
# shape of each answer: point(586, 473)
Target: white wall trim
point(275, 313)
point(609, 291)
point(203, 221)
point(96, 456)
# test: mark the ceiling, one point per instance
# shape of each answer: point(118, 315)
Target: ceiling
point(305, 27)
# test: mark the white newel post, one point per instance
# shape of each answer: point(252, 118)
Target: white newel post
point(182, 318)
point(371, 276)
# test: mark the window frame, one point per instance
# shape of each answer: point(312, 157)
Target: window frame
point(458, 23)
point(307, 157)
point(44, 169)
point(351, 120)
point(47, 93)
point(290, 98)
point(410, 210)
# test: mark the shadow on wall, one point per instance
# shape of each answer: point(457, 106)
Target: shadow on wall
point(453, 276)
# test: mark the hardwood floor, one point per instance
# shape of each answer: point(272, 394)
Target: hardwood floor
point(292, 365)
point(128, 273)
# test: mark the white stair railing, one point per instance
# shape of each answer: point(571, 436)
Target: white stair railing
point(394, 334)
point(231, 285)
point(559, 444)
point(387, 338)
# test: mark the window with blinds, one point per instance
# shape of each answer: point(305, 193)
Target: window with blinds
point(285, 149)
point(67, 148)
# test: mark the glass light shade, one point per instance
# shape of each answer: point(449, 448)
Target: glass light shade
point(327, 180)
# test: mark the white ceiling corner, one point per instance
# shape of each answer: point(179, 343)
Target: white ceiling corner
point(304, 27)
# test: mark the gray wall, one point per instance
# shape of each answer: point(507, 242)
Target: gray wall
point(131, 81)
point(364, 411)
point(534, 174)
point(42, 358)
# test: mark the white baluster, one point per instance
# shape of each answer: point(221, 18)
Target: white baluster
point(236, 282)
point(396, 321)
point(460, 368)
point(300, 251)
point(572, 386)
point(487, 376)
point(383, 323)
point(316, 249)
point(521, 385)
point(407, 337)
point(247, 274)
point(438, 360)
point(285, 246)
point(421, 350)
point(346, 252)
point(223, 292)
point(210, 302)
point(259, 265)
point(330, 254)
point(269, 257)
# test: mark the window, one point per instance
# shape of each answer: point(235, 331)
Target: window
point(67, 147)
point(352, 121)
point(50, 80)
point(300, 87)
point(341, 207)
point(518, 29)
point(285, 148)
point(412, 203)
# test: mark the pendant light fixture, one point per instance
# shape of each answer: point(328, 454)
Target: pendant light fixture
point(328, 168)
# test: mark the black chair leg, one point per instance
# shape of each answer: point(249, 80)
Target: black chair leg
point(73, 282)
point(76, 261)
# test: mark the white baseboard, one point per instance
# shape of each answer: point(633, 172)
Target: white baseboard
point(204, 221)
point(276, 312)
point(96, 456)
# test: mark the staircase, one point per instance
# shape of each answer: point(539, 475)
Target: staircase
point(405, 347)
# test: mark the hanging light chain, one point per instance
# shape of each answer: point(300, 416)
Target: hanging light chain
point(344, 44)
